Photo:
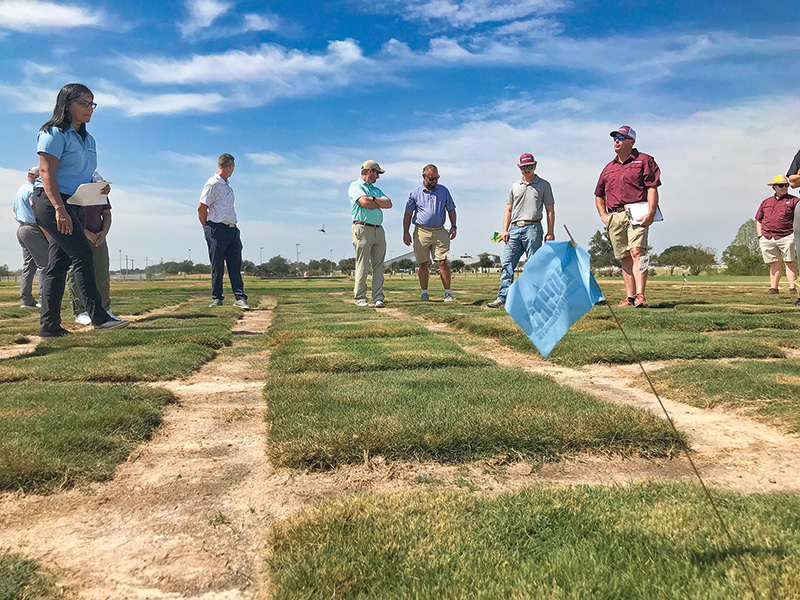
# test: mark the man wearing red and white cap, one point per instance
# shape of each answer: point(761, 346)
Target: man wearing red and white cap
point(632, 177)
point(528, 201)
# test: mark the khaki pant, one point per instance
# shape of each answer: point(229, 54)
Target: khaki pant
point(370, 246)
point(429, 241)
point(625, 236)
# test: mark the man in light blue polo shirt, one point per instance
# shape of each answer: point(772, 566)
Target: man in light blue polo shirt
point(369, 239)
point(30, 237)
point(426, 207)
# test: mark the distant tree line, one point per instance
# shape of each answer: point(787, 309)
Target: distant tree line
point(741, 257)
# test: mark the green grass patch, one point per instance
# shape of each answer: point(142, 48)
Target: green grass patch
point(58, 435)
point(769, 390)
point(647, 541)
point(116, 363)
point(451, 415)
point(22, 579)
point(349, 355)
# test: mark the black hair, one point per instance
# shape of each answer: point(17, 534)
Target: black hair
point(60, 118)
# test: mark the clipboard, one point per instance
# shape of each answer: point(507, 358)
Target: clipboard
point(637, 211)
point(88, 194)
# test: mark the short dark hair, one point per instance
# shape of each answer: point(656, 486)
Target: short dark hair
point(427, 168)
point(68, 94)
point(225, 160)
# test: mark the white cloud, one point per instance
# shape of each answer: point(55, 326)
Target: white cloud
point(266, 158)
point(202, 13)
point(468, 13)
point(254, 22)
point(269, 61)
point(28, 15)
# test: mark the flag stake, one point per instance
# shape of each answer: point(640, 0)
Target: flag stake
point(708, 495)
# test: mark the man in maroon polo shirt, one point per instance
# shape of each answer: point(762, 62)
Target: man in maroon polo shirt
point(775, 229)
point(632, 177)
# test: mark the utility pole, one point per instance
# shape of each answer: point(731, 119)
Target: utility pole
point(261, 256)
point(120, 265)
point(126, 264)
point(190, 255)
point(298, 253)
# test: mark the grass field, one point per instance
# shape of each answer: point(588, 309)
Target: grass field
point(346, 384)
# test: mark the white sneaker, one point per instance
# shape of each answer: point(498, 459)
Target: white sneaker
point(448, 297)
point(379, 304)
point(362, 302)
point(83, 319)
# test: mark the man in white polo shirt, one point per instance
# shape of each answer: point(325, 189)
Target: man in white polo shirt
point(218, 217)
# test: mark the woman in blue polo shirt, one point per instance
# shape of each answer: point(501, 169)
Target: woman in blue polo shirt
point(67, 159)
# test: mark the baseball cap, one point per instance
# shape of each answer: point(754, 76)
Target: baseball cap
point(526, 159)
point(371, 164)
point(33, 171)
point(779, 179)
point(624, 130)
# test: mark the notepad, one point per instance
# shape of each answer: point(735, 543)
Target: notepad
point(88, 194)
point(637, 211)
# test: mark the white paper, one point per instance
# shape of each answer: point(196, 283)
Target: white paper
point(637, 211)
point(88, 194)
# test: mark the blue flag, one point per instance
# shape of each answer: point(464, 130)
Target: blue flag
point(555, 290)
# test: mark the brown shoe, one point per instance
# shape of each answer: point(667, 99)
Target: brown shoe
point(793, 291)
point(626, 302)
point(640, 302)
point(772, 291)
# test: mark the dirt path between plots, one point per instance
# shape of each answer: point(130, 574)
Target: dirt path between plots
point(730, 450)
point(182, 517)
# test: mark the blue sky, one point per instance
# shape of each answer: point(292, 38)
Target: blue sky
point(302, 93)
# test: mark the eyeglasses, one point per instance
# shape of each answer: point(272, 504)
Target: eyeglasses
point(527, 168)
point(86, 104)
point(786, 185)
point(431, 177)
point(622, 138)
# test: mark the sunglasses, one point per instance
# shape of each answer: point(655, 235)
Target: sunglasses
point(528, 168)
point(786, 185)
point(622, 138)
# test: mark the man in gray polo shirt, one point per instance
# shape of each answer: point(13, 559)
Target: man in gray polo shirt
point(528, 201)
point(30, 237)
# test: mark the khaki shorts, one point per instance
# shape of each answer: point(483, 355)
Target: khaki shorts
point(625, 236)
point(773, 250)
point(427, 240)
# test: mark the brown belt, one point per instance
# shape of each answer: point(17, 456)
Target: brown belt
point(428, 228)
point(363, 223)
point(524, 223)
point(618, 209)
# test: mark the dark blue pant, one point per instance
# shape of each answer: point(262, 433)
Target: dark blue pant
point(225, 248)
point(63, 251)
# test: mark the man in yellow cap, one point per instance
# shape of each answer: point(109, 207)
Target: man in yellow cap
point(775, 229)
point(369, 239)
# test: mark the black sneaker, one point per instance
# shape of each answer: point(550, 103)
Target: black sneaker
point(113, 324)
point(797, 302)
point(60, 332)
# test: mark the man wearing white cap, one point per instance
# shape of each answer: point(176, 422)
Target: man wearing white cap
point(369, 239)
point(30, 237)
point(632, 177)
point(775, 229)
point(528, 201)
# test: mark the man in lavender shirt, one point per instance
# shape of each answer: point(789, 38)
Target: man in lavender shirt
point(426, 207)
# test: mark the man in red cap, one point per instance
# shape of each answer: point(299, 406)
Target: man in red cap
point(528, 201)
point(632, 177)
point(775, 229)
